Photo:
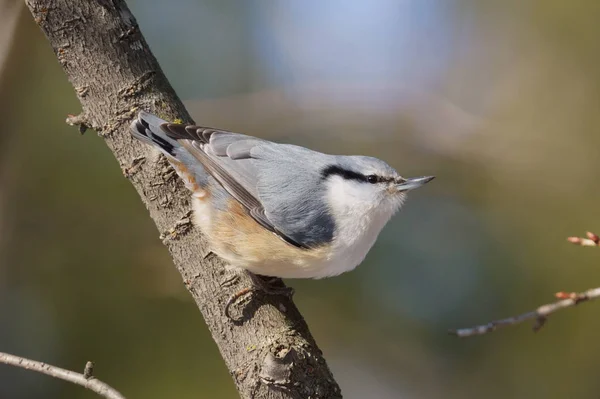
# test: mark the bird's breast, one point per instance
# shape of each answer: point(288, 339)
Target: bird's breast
point(236, 237)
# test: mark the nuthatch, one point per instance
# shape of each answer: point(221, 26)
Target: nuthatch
point(277, 209)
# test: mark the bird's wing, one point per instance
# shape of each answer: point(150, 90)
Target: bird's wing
point(270, 180)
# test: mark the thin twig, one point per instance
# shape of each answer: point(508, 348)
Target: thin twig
point(86, 380)
point(540, 315)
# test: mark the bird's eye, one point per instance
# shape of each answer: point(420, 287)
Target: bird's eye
point(372, 179)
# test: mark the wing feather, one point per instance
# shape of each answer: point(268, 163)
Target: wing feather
point(227, 157)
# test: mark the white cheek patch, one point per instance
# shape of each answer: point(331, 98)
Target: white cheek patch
point(344, 195)
point(360, 211)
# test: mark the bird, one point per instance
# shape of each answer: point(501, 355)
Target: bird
point(279, 210)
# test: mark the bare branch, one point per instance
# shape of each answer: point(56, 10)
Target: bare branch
point(540, 315)
point(85, 380)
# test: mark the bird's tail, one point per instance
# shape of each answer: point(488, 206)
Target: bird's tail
point(146, 128)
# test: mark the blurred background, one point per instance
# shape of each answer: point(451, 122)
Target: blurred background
point(498, 99)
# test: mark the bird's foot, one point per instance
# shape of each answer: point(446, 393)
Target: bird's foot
point(271, 285)
point(267, 285)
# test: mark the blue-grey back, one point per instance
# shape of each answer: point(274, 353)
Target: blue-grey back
point(287, 181)
point(292, 191)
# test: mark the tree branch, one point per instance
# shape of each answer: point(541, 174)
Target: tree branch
point(86, 380)
point(269, 351)
point(540, 315)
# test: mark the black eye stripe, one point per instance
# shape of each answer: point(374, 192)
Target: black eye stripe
point(346, 174)
point(351, 175)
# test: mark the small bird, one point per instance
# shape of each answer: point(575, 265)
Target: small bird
point(279, 210)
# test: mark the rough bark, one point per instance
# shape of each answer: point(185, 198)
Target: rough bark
point(269, 351)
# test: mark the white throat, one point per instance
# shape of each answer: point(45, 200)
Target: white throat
point(359, 218)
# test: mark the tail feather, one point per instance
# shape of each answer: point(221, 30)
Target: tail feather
point(147, 128)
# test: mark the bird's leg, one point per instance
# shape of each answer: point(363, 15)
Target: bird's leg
point(268, 285)
point(271, 285)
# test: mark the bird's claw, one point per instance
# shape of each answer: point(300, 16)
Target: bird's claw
point(259, 284)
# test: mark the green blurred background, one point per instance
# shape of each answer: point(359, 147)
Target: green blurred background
point(498, 99)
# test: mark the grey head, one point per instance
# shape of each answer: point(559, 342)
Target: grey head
point(312, 196)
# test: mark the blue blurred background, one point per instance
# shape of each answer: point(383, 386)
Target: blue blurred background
point(498, 99)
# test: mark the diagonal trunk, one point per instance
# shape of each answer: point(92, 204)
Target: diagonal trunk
point(270, 354)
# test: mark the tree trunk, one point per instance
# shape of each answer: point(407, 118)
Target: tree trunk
point(269, 352)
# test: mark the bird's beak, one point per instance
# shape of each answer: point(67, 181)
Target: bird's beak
point(412, 182)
